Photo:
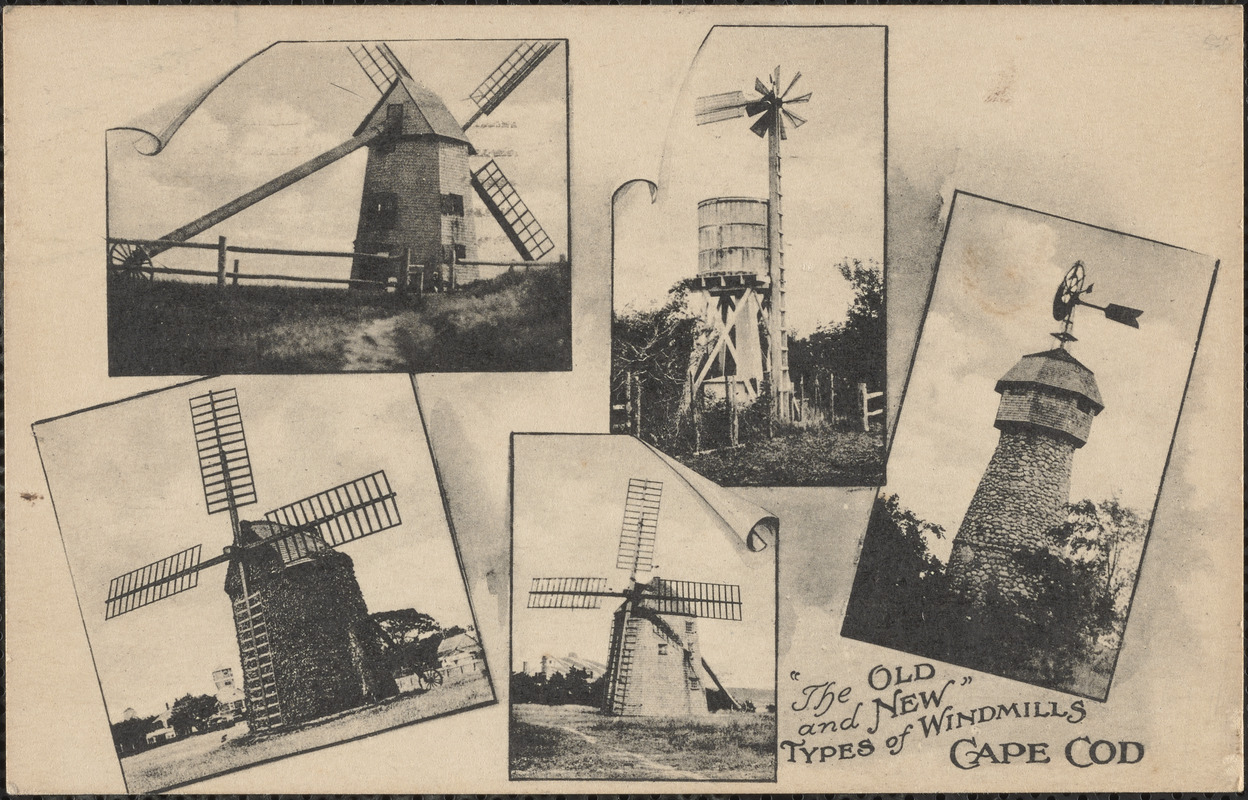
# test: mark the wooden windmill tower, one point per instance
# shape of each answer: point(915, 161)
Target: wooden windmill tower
point(733, 292)
point(306, 643)
point(655, 664)
point(415, 202)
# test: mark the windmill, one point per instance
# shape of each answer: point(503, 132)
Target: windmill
point(415, 200)
point(306, 643)
point(770, 108)
point(654, 663)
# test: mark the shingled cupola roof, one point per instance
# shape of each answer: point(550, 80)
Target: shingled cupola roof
point(1056, 369)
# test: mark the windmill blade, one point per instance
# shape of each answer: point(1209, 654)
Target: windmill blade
point(379, 64)
point(569, 592)
point(342, 514)
point(160, 579)
point(763, 124)
point(719, 107)
point(797, 121)
point(510, 212)
point(640, 526)
point(789, 88)
point(799, 99)
point(224, 465)
point(507, 76)
point(694, 599)
point(761, 88)
point(389, 55)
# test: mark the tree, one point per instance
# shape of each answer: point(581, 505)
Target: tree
point(130, 735)
point(851, 351)
point(899, 581)
point(190, 713)
point(414, 638)
point(576, 687)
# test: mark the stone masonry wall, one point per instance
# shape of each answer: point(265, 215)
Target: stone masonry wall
point(1020, 498)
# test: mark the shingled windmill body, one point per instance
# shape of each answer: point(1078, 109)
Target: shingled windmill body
point(1048, 401)
point(307, 645)
point(737, 298)
point(416, 204)
point(655, 664)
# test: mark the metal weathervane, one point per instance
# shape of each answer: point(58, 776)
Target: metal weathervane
point(1070, 294)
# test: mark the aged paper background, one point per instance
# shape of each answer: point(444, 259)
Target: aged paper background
point(1130, 118)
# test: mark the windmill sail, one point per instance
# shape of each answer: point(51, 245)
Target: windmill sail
point(694, 599)
point(719, 107)
point(342, 514)
point(511, 213)
point(640, 526)
point(508, 75)
point(156, 581)
point(224, 464)
point(379, 63)
point(567, 592)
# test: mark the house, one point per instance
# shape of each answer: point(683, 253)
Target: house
point(460, 656)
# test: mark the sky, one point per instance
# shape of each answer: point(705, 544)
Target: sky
point(992, 304)
point(568, 508)
point(125, 483)
point(298, 100)
point(832, 167)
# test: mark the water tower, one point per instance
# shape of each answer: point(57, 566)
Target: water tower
point(729, 294)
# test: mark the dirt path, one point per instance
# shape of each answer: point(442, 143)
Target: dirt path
point(371, 348)
point(636, 759)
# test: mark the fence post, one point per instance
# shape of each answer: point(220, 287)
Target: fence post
point(867, 413)
point(234, 278)
point(221, 258)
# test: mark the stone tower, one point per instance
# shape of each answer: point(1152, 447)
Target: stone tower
point(654, 666)
point(1048, 401)
point(417, 194)
point(306, 642)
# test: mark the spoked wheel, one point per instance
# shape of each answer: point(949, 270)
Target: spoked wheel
point(1068, 292)
point(432, 678)
point(129, 261)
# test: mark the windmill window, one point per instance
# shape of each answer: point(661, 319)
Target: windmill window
point(381, 209)
point(662, 648)
point(453, 205)
point(394, 116)
point(461, 252)
point(689, 625)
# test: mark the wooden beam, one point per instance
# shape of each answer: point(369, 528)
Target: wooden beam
point(296, 278)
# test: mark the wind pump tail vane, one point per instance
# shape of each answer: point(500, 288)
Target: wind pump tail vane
point(640, 680)
point(771, 109)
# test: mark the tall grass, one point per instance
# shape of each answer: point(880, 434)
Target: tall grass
point(515, 322)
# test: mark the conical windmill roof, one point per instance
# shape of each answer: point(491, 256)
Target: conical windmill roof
point(1056, 369)
point(433, 117)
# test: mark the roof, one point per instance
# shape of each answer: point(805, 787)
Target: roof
point(571, 660)
point(432, 117)
point(1057, 369)
point(460, 641)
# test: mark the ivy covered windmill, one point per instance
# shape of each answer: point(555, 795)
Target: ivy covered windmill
point(771, 109)
point(654, 664)
point(307, 645)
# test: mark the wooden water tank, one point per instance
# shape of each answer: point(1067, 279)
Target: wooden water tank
point(732, 236)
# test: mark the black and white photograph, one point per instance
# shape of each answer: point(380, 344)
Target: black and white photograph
point(643, 643)
point(225, 635)
point(748, 336)
point(1035, 432)
point(346, 207)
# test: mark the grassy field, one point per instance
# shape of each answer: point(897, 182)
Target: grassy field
point(563, 742)
point(816, 456)
point(201, 756)
point(515, 322)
